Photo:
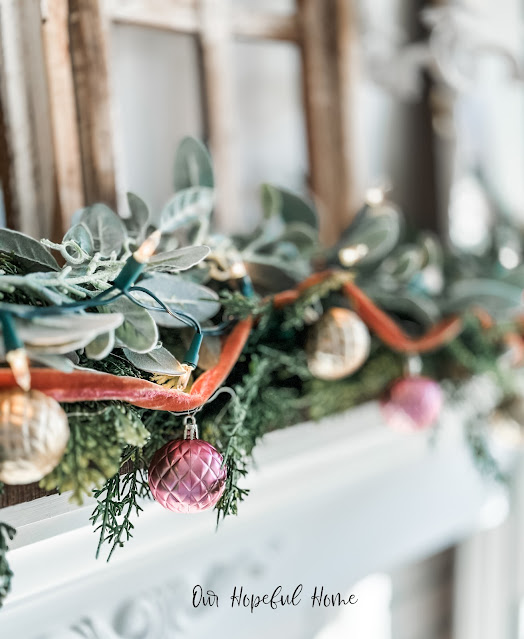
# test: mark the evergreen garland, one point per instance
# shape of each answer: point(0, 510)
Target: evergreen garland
point(112, 443)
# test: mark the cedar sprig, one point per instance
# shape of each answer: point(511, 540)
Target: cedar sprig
point(7, 534)
point(119, 501)
point(99, 434)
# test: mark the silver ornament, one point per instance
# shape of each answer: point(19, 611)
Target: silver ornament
point(337, 345)
point(33, 435)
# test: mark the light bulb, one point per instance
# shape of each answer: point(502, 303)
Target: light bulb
point(237, 269)
point(19, 363)
point(374, 196)
point(148, 247)
point(176, 382)
point(350, 255)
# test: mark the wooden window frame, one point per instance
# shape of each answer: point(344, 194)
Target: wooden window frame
point(78, 112)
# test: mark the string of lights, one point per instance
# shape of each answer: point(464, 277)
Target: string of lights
point(123, 285)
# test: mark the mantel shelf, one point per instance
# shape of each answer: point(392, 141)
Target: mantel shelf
point(330, 501)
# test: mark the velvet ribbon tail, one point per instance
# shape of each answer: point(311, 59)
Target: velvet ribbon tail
point(86, 385)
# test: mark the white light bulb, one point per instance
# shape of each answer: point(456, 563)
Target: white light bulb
point(238, 270)
point(350, 255)
point(374, 196)
point(148, 247)
point(19, 363)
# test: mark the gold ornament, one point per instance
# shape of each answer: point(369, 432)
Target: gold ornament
point(33, 435)
point(337, 345)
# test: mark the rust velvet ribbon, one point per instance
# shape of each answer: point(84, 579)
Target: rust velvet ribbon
point(87, 385)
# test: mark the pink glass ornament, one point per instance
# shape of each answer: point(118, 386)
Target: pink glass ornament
point(187, 476)
point(412, 403)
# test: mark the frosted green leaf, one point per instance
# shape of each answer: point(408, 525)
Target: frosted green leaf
point(379, 231)
point(159, 360)
point(106, 228)
point(187, 206)
point(193, 166)
point(291, 207)
point(138, 332)
point(80, 234)
point(101, 346)
point(496, 297)
point(179, 294)
point(178, 259)
point(46, 331)
point(28, 251)
point(58, 362)
point(139, 215)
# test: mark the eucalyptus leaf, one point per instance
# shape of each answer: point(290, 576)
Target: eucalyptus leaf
point(139, 215)
point(270, 277)
point(159, 360)
point(178, 259)
point(61, 348)
point(73, 357)
point(271, 200)
point(302, 236)
point(379, 230)
point(180, 294)
point(58, 362)
point(293, 208)
point(420, 308)
point(101, 346)
point(295, 269)
point(515, 276)
point(29, 252)
point(47, 331)
point(186, 207)
point(138, 332)
point(264, 237)
point(75, 218)
point(107, 229)
point(168, 242)
point(193, 166)
point(404, 263)
point(286, 251)
point(80, 234)
point(493, 296)
point(433, 248)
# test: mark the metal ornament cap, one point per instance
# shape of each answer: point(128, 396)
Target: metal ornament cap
point(187, 476)
point(412, 403)
point(33, 435)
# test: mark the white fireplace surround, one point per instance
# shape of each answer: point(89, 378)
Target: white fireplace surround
point(330, 503)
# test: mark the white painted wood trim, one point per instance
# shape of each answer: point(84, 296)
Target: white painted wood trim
point(330, 503)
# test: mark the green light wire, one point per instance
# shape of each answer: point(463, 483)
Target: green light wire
point(179, 315)
point(43, 311)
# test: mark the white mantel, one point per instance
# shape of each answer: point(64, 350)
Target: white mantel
point(330, 503)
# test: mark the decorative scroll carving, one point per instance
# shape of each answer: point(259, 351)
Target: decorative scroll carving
point(459, 42)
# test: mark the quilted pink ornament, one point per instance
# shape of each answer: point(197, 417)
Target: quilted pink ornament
point(187, 476)
point(412, 403)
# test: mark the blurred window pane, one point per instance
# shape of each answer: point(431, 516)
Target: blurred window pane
point(268, 6)
point(158, 101)
point(270, 133)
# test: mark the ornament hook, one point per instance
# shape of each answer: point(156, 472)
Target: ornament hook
point(190, 427)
